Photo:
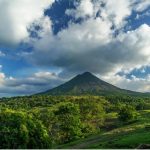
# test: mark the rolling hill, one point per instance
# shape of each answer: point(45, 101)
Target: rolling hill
point(88, 84)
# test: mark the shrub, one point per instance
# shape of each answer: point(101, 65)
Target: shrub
point(127, 113)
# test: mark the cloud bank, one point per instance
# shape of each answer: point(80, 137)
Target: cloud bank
point(94, 44)
point(95, 40)
point(35, 83)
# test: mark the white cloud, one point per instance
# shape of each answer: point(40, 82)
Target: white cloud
point(17, 16)
point(141, 5)
point(135, 47)
point(138, 84)
point(105, 8)
point(45, 27)
point(84, 9)
point(116, 11)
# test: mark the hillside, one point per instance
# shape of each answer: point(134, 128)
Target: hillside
point(134, 135)
point(88, 84)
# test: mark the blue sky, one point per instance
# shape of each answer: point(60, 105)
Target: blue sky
point(45, 43)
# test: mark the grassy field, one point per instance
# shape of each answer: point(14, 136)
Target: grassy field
point(129, 135)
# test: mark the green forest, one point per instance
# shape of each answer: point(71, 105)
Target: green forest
point(74, 122)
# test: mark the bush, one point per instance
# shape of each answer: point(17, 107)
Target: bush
point(127, 113)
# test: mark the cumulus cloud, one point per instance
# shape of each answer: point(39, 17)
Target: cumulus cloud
point(72, 44)
point(84, 9)
point(91, 46)
point(17, 16)
point(106, 9)
point(116, 11)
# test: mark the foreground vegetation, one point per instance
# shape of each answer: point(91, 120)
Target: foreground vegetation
point(74, 122)
point(129, 135)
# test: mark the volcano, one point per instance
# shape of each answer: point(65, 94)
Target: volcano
point(88, 84)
